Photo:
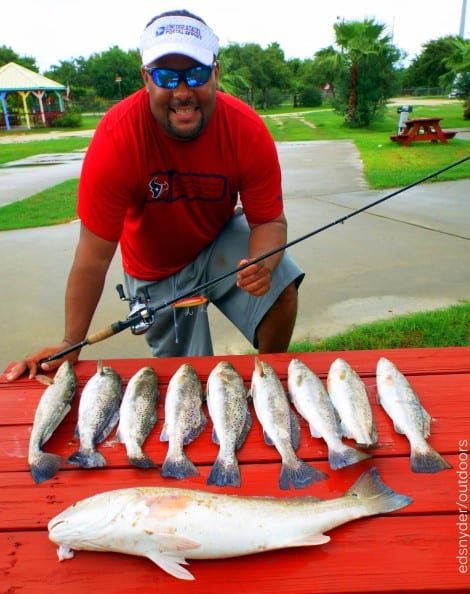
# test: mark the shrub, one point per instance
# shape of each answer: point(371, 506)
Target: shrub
point(70, 119)
point(311, 97)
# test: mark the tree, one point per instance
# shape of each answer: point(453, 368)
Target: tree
point(324, 69)
point(458, 70)
point(262, 70)
point(276, 71)
point(428, 68)
point(99, 72)
point(363, 49)
point(8, 55)
point(66, 72)
point(231, 80)
point(104, 69)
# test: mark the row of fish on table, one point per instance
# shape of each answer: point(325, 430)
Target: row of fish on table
point(342, 409)
point(171, 525)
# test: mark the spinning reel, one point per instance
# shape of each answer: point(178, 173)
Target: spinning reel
point(139, 310)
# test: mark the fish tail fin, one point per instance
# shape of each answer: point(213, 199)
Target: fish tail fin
point(224, 473)
point(178, 467)
point(87, 459)
point(141, 461)
point(427, 460)
point(300, 475)
point(45, 467)
point(339, 458)
point(375, 495)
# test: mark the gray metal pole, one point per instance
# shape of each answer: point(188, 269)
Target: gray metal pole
point(462, 19)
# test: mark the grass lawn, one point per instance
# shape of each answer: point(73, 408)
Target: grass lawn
point(445, 327)
point(21, 150)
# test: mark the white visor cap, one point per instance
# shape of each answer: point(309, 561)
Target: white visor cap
point(178, 35)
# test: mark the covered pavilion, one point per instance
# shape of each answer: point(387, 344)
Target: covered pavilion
point(18, 79)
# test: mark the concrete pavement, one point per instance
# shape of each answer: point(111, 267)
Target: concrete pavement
point(408, 254)
point(27, 177)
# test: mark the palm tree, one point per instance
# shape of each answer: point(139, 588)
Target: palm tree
point(458, 64)
point(358, 40)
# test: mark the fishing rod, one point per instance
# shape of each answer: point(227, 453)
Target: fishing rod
point(142, 315)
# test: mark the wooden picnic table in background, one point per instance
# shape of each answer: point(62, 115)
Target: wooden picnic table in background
point(415, 549)
point(417, 129)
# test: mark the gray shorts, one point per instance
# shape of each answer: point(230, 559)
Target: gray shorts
point(185, 332)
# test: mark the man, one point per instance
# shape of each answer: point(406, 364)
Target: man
point(162, 177)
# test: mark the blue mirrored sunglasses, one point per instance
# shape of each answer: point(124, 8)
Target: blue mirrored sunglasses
point(167, 78)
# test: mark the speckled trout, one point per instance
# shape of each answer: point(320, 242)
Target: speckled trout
point(53, 406)
point(184, 421)
point(349, 396)
point(138, 415)
point(228, 409)
point(98, 414)
point(409, 417)
point(170, 525)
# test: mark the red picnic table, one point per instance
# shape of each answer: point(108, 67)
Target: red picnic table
point(417, 129)
point(421, 548)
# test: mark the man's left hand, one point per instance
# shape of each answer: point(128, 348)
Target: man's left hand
point(255, 279)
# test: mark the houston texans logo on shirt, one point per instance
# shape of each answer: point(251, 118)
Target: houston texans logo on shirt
point(169, 186)
point(157, 188)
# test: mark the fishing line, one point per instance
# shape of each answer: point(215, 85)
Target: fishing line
point(193, 297)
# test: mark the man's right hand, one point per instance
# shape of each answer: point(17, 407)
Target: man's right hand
point(31, 362)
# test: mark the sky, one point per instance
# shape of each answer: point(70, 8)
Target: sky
point(59, 30)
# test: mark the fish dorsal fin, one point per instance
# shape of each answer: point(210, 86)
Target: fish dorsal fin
point(294, 430)
point(267, 439)
point(170, 554)
point(245, 431)
point(196, 429)
point(259, 367)
point(44, 379)
point(164, 434)
point(426, 423)
point(314, 431)
point(398, 428)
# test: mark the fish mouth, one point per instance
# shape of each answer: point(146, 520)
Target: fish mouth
point(54, 523)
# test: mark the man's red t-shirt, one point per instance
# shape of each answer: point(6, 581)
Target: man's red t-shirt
point(166, 200)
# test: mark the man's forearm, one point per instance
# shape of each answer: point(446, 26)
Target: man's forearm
point(84, 289)
point(265, 238)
